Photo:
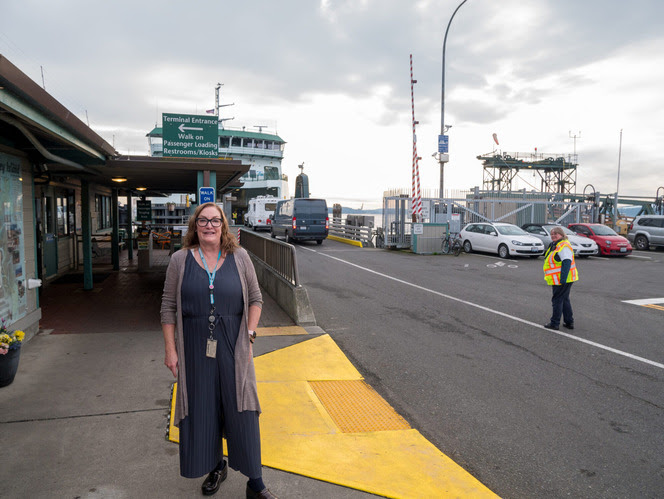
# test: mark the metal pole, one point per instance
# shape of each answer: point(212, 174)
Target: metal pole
point(615, 204)
point(86, 232)
point(442, 103)
point(115, 234)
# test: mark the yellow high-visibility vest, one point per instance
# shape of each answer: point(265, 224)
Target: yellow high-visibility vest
point(552, 267)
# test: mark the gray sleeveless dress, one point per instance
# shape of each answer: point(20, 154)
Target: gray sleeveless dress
point(211, 382)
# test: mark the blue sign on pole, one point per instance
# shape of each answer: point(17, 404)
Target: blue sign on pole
point(443, 143)
point(205, 195)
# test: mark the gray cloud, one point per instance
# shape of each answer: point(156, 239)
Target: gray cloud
point(123, 61)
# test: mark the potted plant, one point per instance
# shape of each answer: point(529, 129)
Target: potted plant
point(10, 349)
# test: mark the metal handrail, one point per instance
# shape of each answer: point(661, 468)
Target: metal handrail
point(277, 255)
point(354, 232)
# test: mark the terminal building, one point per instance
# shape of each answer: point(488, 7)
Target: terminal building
point(59, 188)
point(262, 151)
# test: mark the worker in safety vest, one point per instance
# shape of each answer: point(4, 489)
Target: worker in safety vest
point(559, 273)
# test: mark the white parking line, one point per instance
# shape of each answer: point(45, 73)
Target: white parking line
point(493, 257)
point(645, 301)
point(496, 312)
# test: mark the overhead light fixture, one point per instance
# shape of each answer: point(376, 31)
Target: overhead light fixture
point(119, 179)
point(141, 188)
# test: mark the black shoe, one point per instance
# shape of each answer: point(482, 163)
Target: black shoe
point(213, 481)
point(551, 326)
point(263, 494)
point(569, 326)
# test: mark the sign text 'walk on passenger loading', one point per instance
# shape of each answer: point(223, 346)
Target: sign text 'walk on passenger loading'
point(190, 136)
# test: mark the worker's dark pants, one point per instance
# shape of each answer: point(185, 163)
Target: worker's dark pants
point(561, 304)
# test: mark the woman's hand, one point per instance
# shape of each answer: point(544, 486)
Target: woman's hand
point(171, 361)
point(171, 357)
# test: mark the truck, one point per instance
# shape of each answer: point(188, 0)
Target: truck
point(259, 211)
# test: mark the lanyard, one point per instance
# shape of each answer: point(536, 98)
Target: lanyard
point(210, 274)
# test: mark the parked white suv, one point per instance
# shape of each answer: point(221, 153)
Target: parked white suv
point(646, 231)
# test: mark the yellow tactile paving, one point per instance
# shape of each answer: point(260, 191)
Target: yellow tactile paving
point(356, 407)
point(299, 435)
point(280, 331)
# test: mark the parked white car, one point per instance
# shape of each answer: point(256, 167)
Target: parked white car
point(502, 238)
point(582, 246)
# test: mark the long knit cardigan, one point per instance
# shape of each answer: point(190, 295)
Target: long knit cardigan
point(171, 313)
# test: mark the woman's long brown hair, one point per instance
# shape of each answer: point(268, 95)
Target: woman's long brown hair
point(227, 240)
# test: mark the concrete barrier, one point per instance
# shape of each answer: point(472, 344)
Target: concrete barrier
point(294, 300)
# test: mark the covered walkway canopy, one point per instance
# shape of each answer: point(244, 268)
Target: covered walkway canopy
point(58, 142)
point(59, 151)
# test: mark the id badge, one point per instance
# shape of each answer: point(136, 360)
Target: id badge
point(211, 349)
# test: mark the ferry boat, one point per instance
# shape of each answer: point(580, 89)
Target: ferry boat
point(262, 150)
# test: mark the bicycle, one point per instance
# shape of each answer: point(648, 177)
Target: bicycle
point(379, 236)
point(452, 244)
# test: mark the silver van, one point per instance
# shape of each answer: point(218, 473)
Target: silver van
point(646, 231)
point(301, 219)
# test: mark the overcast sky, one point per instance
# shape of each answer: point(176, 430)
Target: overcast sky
point(333, 78)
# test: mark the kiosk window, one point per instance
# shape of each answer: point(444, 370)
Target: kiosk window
point(103, 209)
point(64, 206)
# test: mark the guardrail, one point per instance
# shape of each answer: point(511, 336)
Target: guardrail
point(353, 232)
point(279, 256)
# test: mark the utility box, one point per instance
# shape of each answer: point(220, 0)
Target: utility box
point(144, 244)
point(427, 239)
point(622, 227)
point(360, 220)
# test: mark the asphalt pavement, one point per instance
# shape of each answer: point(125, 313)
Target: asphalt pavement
point(456, 345)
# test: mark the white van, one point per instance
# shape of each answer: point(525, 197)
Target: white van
point(259, 212)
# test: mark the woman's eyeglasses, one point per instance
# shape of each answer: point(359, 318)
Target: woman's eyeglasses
point(202, 222)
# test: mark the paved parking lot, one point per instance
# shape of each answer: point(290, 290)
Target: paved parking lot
point(456, 344)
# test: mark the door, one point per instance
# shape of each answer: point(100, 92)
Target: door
point(50, 240)
point(491, 238)
point(39, 211)
point(482, 238)
point(657, 231)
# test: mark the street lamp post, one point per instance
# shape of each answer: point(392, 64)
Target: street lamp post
point(615, 203)
point(444, 158)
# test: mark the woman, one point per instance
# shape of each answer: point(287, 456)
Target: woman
point(559, 273)
point(209, 312)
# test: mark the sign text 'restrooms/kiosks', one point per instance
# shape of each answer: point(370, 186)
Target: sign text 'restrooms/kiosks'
point(190, 136)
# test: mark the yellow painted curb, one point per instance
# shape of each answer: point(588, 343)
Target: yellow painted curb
point(173, 431)
point(347, 241)
point(316, 359)
point(280, 331)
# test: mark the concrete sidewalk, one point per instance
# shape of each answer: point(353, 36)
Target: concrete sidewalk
point(87, 414)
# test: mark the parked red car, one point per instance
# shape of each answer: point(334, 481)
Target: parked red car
point(607, 240)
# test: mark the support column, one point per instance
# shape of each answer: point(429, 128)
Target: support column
point(115, 239)
point(129, 240)
point(206, 178)
point(86, 235)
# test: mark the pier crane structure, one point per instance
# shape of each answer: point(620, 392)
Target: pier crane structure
point(557, 172)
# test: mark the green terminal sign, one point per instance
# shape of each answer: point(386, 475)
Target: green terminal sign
point(144, 211)
point(190, 136)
